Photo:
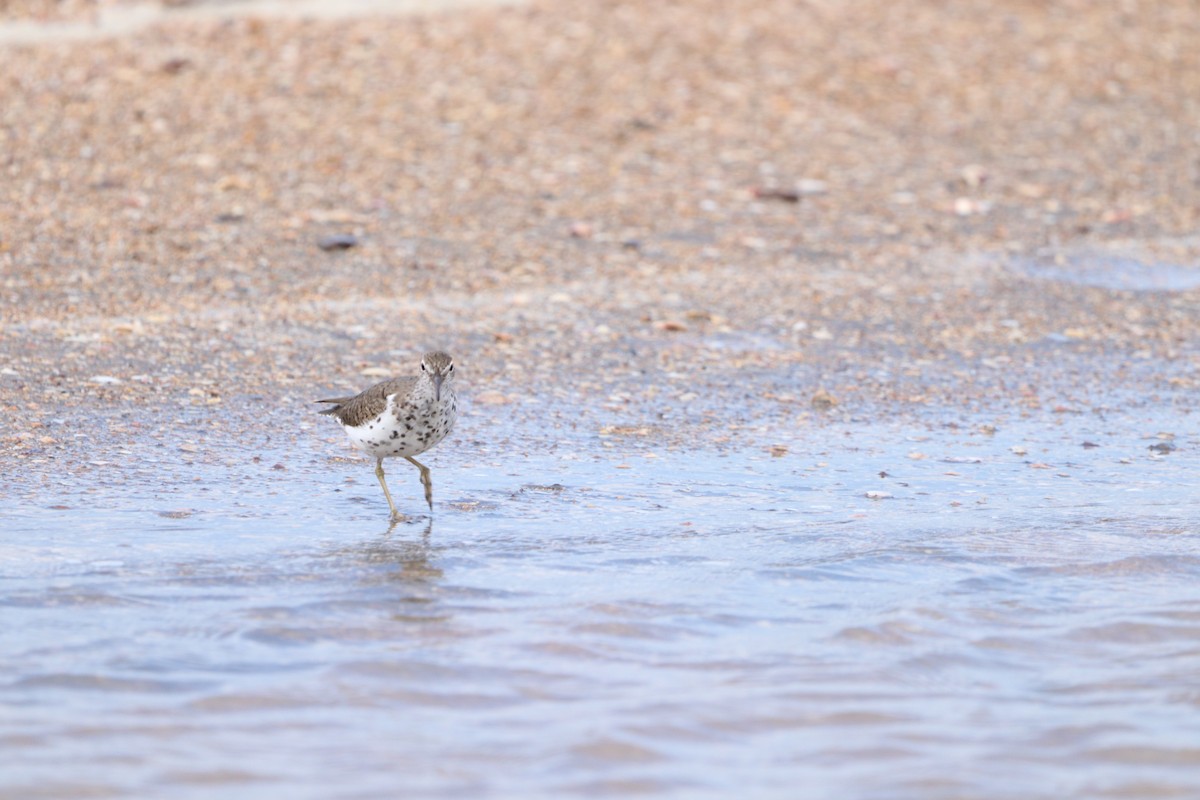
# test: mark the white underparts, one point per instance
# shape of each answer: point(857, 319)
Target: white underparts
point(408, 429)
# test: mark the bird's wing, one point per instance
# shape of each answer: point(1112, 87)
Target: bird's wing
point(368, 403)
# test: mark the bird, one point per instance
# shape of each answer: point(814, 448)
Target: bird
point(401, 417)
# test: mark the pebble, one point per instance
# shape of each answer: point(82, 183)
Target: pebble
point(811, 186)
point(338, 241)
point(823, 400)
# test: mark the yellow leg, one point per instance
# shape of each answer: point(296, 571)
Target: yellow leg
point(383, 483)
point(426, 481)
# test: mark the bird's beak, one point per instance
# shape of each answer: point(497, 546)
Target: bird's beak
point(437, 387)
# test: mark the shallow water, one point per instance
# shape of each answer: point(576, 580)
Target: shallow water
point(611, 621)
point(1122, 271)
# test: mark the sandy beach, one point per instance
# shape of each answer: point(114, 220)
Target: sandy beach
point(694, 213)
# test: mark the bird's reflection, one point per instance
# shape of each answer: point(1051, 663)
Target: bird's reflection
point(411, 556)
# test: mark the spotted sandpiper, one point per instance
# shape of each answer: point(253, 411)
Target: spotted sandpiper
point(402, 417)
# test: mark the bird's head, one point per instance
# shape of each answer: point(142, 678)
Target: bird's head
point(439, 368)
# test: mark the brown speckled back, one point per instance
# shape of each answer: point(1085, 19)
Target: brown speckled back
point(368, 403)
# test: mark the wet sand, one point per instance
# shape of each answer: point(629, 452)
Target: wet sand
point(697, 216)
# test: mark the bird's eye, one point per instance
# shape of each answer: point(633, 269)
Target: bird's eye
point(451, 368)
point(422, 366)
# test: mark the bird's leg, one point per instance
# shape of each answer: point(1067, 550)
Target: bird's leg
point(426, 481)
point(379, 474)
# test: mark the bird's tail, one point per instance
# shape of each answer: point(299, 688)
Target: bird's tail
point(333, 409)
